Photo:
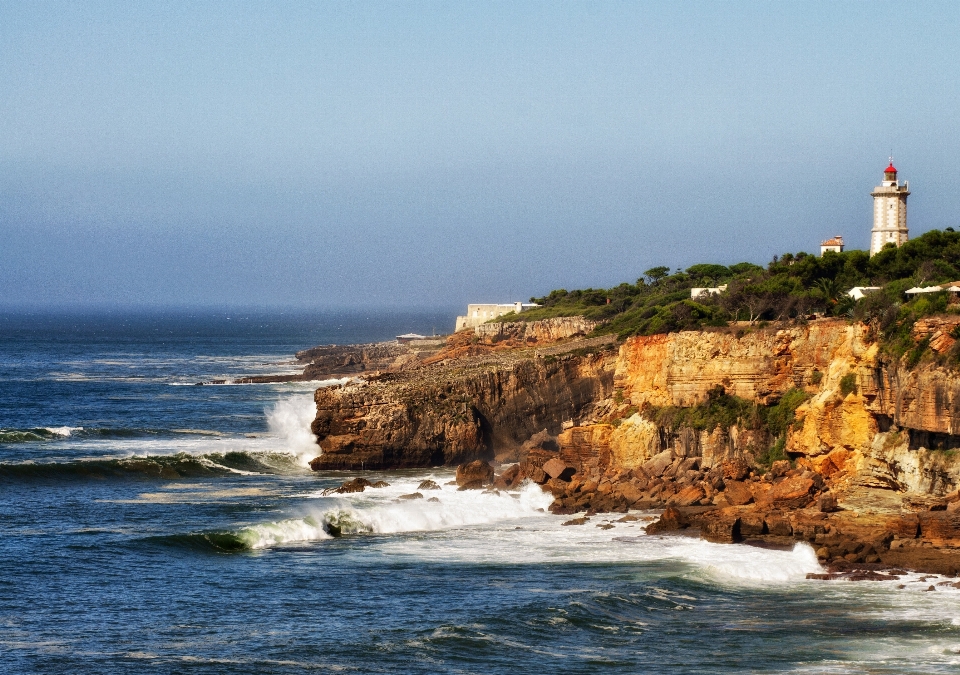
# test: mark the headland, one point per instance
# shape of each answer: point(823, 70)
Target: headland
point(802, 417)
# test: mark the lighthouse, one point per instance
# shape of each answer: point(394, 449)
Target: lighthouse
point(889, 211)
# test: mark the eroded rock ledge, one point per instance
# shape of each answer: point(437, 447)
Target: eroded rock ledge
point(452, 413)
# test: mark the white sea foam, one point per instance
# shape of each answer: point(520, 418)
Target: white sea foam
point(455, 509)
point(728, 563)
point(265, 535)
point(63, 431)
point(378, 511)
point(290, 419)
point(514, 528)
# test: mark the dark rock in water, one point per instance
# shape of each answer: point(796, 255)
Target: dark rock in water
point(721, 527)
point(509, 478)
point(577, 521)
point(605, 526)
point(475, 471)
point(471, 485)
point(670, 519)
point(433, 499)
point(428, 485)
point(628, 519)
point(562, 509)
point(355, 485)
point(415, 495)
point(332, 529)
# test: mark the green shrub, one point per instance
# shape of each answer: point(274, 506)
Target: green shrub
point(719, 410)
point(775, 453)
point(915, 354)
point(848, 384)
point(816, 377)
point(790, 287)
point(780, 417)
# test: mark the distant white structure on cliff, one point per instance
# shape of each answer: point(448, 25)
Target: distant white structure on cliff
point(697, 292)
point(860, 292)
point(478, 314)
point(889, 211)
point(835, 244)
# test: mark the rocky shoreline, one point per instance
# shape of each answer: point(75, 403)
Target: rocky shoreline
point(731, 503)
point(868, 477)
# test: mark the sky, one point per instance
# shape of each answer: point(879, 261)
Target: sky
point(431, 154)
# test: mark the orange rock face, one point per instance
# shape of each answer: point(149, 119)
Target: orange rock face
point(791, 493)
point(535, 332)
point(737, 493)
point(687, 496)
point(680, 368)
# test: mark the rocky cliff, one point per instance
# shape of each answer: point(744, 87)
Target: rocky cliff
point(867, 421)
point(872, 422)
point(331, 361)
point(526, 332)
point(870, 479)
point(452, 413)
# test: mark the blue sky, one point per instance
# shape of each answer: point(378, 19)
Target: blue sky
point(432, 154)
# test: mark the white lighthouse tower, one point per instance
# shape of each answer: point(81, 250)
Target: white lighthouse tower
point(889, 211)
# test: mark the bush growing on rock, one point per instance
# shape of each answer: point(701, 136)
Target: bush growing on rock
point(848, 384)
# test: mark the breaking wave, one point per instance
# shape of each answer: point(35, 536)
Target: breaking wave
point(290, 419)
point(74, 433)
point(390, 516)
point(37, 434)
point(179, 465)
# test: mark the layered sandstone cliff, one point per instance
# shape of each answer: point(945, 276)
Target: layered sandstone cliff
point(526, 332)
point(872, 421)
point(453, 413)
point(868, 422)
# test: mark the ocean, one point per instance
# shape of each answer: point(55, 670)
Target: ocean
point(151, 525)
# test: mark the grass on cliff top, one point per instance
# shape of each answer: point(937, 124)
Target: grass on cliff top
point(791, 286)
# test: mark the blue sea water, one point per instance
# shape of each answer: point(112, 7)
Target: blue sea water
point(150, 525)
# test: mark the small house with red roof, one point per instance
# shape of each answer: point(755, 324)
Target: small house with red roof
point(835, 244)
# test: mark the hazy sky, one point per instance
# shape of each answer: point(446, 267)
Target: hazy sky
point(412, 154)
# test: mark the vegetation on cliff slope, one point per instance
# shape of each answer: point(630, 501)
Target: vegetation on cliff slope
point(791, 286)
point(722, 410)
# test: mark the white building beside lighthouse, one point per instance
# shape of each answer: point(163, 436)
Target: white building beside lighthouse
point(889, 211)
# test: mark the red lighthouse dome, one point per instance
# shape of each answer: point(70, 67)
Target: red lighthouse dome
point(890, 173)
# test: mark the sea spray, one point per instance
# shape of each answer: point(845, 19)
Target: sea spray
point(290, 419)
point(379, 512)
